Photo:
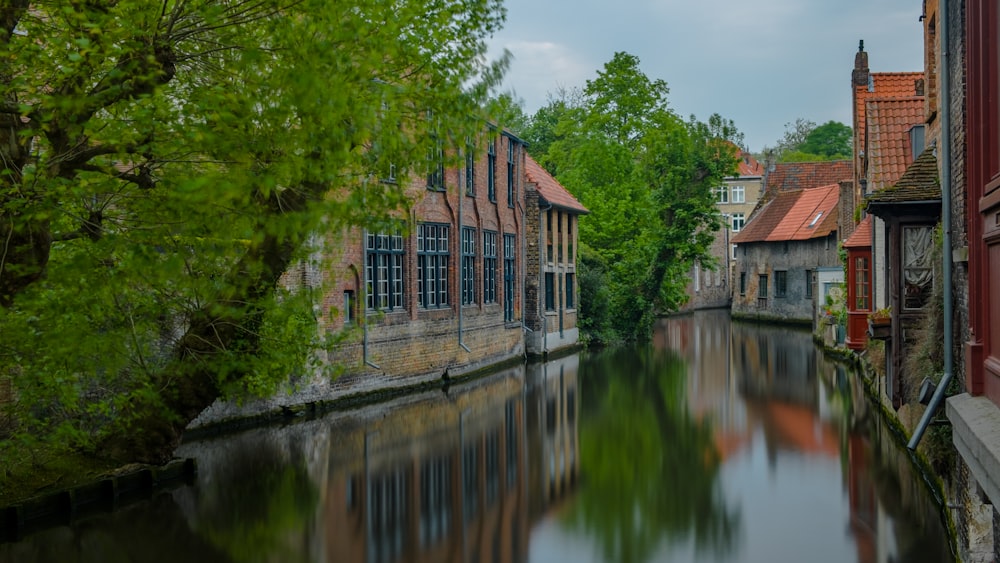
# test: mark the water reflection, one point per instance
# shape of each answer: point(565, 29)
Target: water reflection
point(719, 442)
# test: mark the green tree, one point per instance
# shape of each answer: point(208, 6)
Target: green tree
point(507, 112)
point(646, 176)
point(832, 141)
point(165, 163)
point(804, 141)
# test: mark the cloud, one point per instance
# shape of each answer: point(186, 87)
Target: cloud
point(541, 67)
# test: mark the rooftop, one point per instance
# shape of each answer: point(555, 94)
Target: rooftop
point(550, 189)
point(889, 151)
point(794, 215)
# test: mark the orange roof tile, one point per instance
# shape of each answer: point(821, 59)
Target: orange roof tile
point(748, 165)
point(882, 85)
point(786, 176)
point(889, 124)
point(862, 236)
point(550, 189)
point(794, 215)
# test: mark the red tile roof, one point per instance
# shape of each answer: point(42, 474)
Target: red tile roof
point(787, 176)
point(862, 236)
point(550, 189)
point(749, 166)
point(794, 215)
point(889, 124)
point(882, 85)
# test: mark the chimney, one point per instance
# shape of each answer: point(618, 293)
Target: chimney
point(860, 74)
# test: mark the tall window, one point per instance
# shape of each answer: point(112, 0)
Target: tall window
point(809, 284)
point(491, 168)
point(559, 237)
point(435, 167)
point(509, 276)
point(570, 256)
point(470, 169)
point(762, 286)
point(384, 271)
point(432, 265)
point(510, 173)
point(743, 283)
point(918, 275)
point(738, 222)
point(550, 234)
point(780, 283)
point(739, 194)
point(489, 267)
point(862, 289)
point(468, 265)
point(570, 288)
point(723, 192)
point(550, 291)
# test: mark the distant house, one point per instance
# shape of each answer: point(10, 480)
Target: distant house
point(551, 294)
point(779, 251)
point(889, 114)
point(736, 198)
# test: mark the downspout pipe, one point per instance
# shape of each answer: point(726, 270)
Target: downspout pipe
point(946, 258)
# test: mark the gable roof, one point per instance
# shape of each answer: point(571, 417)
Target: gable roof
point(920, 183)
point(749, 166)
point(549, 189)
point(785, 176)
point(889, 151)
point(862, 236)
point(794, 215)
point(882, 85)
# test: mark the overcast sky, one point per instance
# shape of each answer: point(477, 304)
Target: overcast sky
point(762, 64)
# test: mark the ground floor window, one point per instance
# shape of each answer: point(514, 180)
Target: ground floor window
point(384, 271)
point(432, 265)
point(780, 283)
point(468, 265)
point(489, 267)
point(509, 276)
point(862, 285)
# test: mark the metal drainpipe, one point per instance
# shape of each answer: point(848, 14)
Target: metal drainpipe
point(938, 396)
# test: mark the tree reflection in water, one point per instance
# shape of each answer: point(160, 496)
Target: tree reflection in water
point(263, 510)
point(649, 469)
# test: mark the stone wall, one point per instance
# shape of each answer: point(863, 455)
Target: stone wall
point(794, 257)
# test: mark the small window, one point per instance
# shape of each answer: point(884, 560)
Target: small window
point(743, 283)
point(780, 283)
point(723, 192)
point(738, 222)
point(550, 291)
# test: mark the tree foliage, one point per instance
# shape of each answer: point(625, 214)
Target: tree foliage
point(646, 176)
point(166, 163)
point(804, 141)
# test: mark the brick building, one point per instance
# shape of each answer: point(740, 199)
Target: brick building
point(550, 274)
point(443, 294)
point(736, 199)
point(779, 251)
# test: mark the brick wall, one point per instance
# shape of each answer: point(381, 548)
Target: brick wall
point(416, 343)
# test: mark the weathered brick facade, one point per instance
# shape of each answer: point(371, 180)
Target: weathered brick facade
point(400, 344)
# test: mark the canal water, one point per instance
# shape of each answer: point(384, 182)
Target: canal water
point(719, 441)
